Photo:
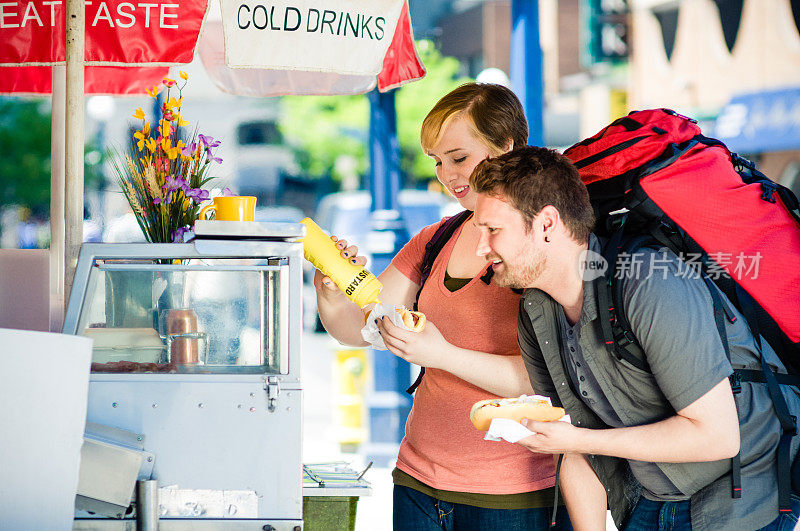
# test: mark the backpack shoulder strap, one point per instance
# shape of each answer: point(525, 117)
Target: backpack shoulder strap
point(435, 246)
point(617, 334)
point(432, 250)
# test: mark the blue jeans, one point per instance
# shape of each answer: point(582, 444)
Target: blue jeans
point(663, 516)
point(415, 511)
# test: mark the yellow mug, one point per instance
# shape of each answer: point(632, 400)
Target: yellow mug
point(231, 208)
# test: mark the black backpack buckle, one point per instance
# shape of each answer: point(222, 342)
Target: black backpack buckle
point(623, 338)
point(629, 339)
point(793, 431)
point(736, 383)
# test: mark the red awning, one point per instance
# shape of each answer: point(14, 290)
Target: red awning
point(111, 80)
point(126, 34)
point(117, 32)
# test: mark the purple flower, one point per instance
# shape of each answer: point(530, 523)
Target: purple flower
point(175, 183)
point(177, 236)
point(208, 141)
point(189, 150)
point(227, 192)
point(157, 201)
point(198, 194)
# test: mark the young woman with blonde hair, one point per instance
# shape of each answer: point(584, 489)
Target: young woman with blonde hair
point(447, 476)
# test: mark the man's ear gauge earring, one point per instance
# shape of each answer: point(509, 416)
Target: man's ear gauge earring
point(547, 239)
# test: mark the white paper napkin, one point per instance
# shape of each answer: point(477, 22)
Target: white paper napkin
point(370, 331)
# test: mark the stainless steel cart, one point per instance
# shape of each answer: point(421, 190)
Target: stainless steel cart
point(195, 380)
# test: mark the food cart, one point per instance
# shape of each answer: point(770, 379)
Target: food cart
point(195, 393)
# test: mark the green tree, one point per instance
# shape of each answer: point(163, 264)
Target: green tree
point(323, 128)
point(25, 154)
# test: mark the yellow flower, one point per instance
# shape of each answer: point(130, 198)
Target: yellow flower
point(165, 129)
point(146, 129)
point(152, 91)
point(183, 74)
point(139, 114)
point(151, 144)
point(181, 121)
point(174, 103)
point(171, 151)
point(175, 151)
point(141, 137)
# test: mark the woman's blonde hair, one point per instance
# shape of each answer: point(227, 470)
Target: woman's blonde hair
point(495, 115)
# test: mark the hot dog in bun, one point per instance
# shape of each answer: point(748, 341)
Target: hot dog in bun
point(415, 321)
point(524, 407)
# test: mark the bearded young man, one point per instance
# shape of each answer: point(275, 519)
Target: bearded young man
point(655, 446)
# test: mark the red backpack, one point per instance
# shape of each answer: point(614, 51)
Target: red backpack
point(654, 179)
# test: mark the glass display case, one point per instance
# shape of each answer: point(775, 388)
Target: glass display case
point(201, 315)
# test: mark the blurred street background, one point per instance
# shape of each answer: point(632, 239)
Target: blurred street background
point(733, 65)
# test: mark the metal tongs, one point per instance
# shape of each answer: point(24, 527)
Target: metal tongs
point(313, 476)
point(340, 473)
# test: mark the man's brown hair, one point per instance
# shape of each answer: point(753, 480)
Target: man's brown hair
point(530, 178)
point(495, 115)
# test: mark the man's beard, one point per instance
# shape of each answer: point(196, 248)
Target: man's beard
point(524, 273)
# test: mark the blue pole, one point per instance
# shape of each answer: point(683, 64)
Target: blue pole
point(526, 66)
point(388, 404)
point(384, 152)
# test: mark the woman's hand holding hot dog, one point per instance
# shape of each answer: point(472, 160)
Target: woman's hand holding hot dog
point(501, 375)
point(427, 348)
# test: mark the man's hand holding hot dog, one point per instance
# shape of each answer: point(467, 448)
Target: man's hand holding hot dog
point(552, 437)
point(713, 413)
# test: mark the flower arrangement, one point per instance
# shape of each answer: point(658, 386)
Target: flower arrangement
point(162, 176)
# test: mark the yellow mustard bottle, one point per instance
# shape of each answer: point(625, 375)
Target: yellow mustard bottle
point(355, 281)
